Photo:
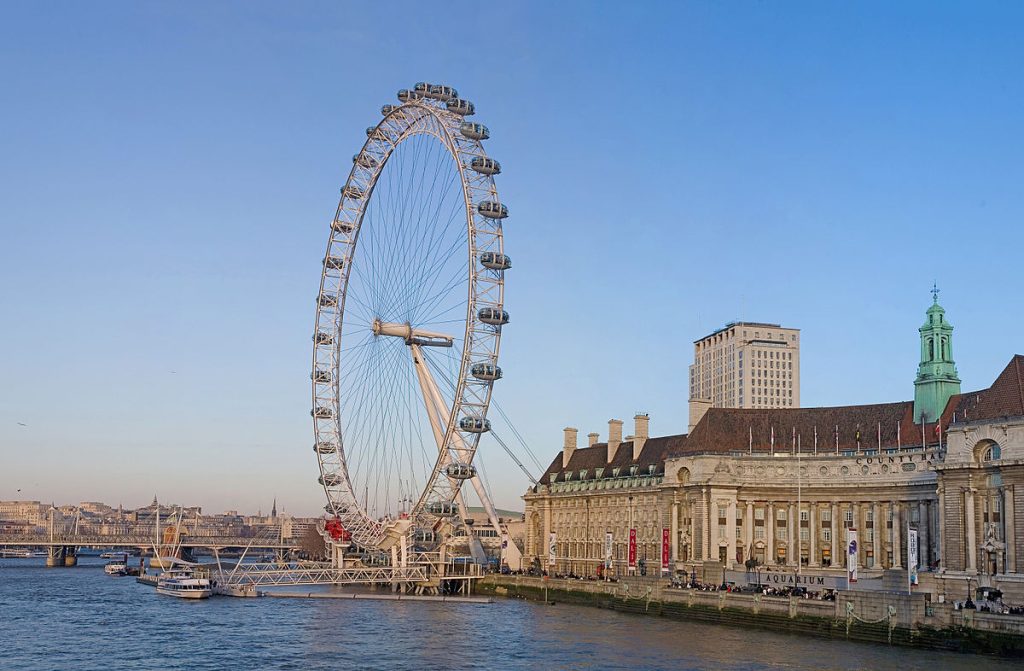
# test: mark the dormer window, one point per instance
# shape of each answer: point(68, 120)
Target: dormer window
point(615, 472)
point(598, 472)
point(633, 470)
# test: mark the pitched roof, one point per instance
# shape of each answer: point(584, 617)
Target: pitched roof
point(1005, 398)
point(654, 453)
point(732, 430)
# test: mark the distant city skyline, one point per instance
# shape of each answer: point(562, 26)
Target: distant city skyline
point(170, 172)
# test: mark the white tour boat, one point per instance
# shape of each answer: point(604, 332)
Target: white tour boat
point(184, 585)
point(118, 566)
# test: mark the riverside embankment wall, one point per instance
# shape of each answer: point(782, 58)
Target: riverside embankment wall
point(879, 617)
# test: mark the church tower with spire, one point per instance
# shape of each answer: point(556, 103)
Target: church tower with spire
point(937, 379)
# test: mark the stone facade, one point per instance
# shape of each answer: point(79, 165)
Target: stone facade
point(780, 487)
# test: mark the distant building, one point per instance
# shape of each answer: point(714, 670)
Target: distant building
point(745, 365)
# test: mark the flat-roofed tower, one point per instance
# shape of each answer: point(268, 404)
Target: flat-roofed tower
point(745, 365)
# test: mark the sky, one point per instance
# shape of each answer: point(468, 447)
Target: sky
point(168, 172)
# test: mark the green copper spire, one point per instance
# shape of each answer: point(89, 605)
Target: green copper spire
point(936, 379)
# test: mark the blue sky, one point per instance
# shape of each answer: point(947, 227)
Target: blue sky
point(168, 172)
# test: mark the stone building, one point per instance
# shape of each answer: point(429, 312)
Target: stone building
point(781, 486)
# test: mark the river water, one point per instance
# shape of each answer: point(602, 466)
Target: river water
point(80, 618)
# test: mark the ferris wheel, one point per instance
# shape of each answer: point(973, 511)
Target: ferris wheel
point(408, 322)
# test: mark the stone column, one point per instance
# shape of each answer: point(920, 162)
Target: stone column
point(1009, 537)
point(674, 534)
point(940, 532)
point(923, 557)
point(769, 532)
point(748, 531)
point(694, 541)
point(812, 533)
point(877, 529)
point(971, 545)
point(838, 555)
point(542, 546)
point(792, 521)
point(707, 537)
point(860, 521)
point(730, 531)
point(897, 536)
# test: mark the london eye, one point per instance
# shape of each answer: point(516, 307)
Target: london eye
point(408, 323)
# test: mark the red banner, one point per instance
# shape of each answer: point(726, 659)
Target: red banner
point(664, 548)
point(632, 548)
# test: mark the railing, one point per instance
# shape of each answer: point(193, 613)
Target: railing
point(308, 573)
point(138, 540)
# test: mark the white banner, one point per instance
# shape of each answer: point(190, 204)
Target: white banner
point(851, 555)
point(608, 544)
point(552, 547)
point(912, 556)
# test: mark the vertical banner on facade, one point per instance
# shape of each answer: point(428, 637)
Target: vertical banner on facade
point(608, 545)
point(664, 550)
point(632, 549)
point(851, 554)
point(552, 547)
point(912, 557)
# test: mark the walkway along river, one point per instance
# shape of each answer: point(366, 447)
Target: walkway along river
point(872, 616)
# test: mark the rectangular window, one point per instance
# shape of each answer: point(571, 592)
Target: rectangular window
point(780, 534)
point(826, 515)
point(759, 533)
point(805, 515)
point(826, 534)
point(804, 535)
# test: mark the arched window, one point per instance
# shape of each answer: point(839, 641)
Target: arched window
point(988, 451)
point(931, 349)
point(943, 349)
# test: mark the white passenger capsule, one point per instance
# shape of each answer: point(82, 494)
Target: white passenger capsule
point(492, 209)
point(474, 131)
point(324, 448)
point(335, 262)
point(322, 412)
point(388, 109)
point(495, 261)
point(442, 92)
point(486, 371)
point(460, 471)
point(442, 508)
point(485, 166)
point(422, 88)
point(475, 424)
point(460, 107)
point(342, 226)
point(330, 479)
point(323, 338)
point(365, 161)
point(493, 316)
point(322, 376)
point(327, 300)
point(352, 191)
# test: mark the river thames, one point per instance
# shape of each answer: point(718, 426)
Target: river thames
point(80, 618)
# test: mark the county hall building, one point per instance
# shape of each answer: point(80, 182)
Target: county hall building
point(782, 484)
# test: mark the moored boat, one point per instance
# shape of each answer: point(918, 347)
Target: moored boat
point(184, 585)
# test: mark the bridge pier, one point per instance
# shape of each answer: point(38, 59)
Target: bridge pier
point(61, 555)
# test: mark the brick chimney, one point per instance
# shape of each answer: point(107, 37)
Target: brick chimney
point(614, 437)
point(568, 444)
point(641, 429)
point(698, 408)
point(592, 439)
